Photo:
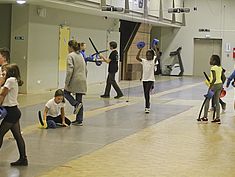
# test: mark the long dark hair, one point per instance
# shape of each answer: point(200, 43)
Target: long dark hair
point(12, 70)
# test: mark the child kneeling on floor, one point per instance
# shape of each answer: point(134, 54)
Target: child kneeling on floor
point(54, 112)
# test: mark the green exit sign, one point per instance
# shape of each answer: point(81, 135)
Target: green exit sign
point(19, 37)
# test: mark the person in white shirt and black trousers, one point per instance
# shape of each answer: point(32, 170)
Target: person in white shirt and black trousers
point(8, 99)
point(147, 75)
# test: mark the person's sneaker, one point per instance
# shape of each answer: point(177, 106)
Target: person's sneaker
point(77, 123)
point(20, 162)
point(216, 121)
point(77, 108)
point(104, 96)
point(147, 110)
point(223, 107)
point(203, 119)
point(211, 109)
point(118, 96)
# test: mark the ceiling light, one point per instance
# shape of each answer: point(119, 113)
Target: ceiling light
point(21, 1)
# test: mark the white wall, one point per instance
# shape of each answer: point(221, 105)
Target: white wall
point(119, 3)
point(154, 8)
point(43, 57)
point(166, 5)
point(210, 14)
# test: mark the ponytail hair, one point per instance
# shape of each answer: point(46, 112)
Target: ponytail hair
point(74, 45)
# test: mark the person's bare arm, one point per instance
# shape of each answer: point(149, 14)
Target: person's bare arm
point(213, 79)
point(138, 55)
point(3, 93)
point(63, 117)
point(106, 60)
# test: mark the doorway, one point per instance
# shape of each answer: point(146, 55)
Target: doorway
point(203, 49)
point(64, 36)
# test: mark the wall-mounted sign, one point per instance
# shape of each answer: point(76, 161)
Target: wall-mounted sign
point(19, 38)
point(136, 5)
point(227, 47)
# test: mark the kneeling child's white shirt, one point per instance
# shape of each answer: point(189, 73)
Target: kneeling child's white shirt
point(54, 109)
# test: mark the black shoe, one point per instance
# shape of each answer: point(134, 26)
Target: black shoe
point(104, 96)
point(216, 121)
point(77, 123)
point(118, 96)
point(20, 162)
point(223, 106)
point(203, 120)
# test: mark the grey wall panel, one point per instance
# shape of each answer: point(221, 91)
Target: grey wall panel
point(19, 48)
point(5, 30)
point(43, 57)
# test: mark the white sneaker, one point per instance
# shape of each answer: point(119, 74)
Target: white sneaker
point(77, 108)
point(223, 111)
point(147, 110)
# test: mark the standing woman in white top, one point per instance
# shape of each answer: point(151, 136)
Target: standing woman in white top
point(8, 99)
point(148, 75)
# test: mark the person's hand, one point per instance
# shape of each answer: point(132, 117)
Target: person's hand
point(64, 124)
point(45, 124)
point(101, 56)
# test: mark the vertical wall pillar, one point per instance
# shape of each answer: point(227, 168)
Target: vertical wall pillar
point(19, 41)
point(161, 11)
point(183, 17)
point(127, 6)
point(173, 14)
point(5, 30)
point(146, 8)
